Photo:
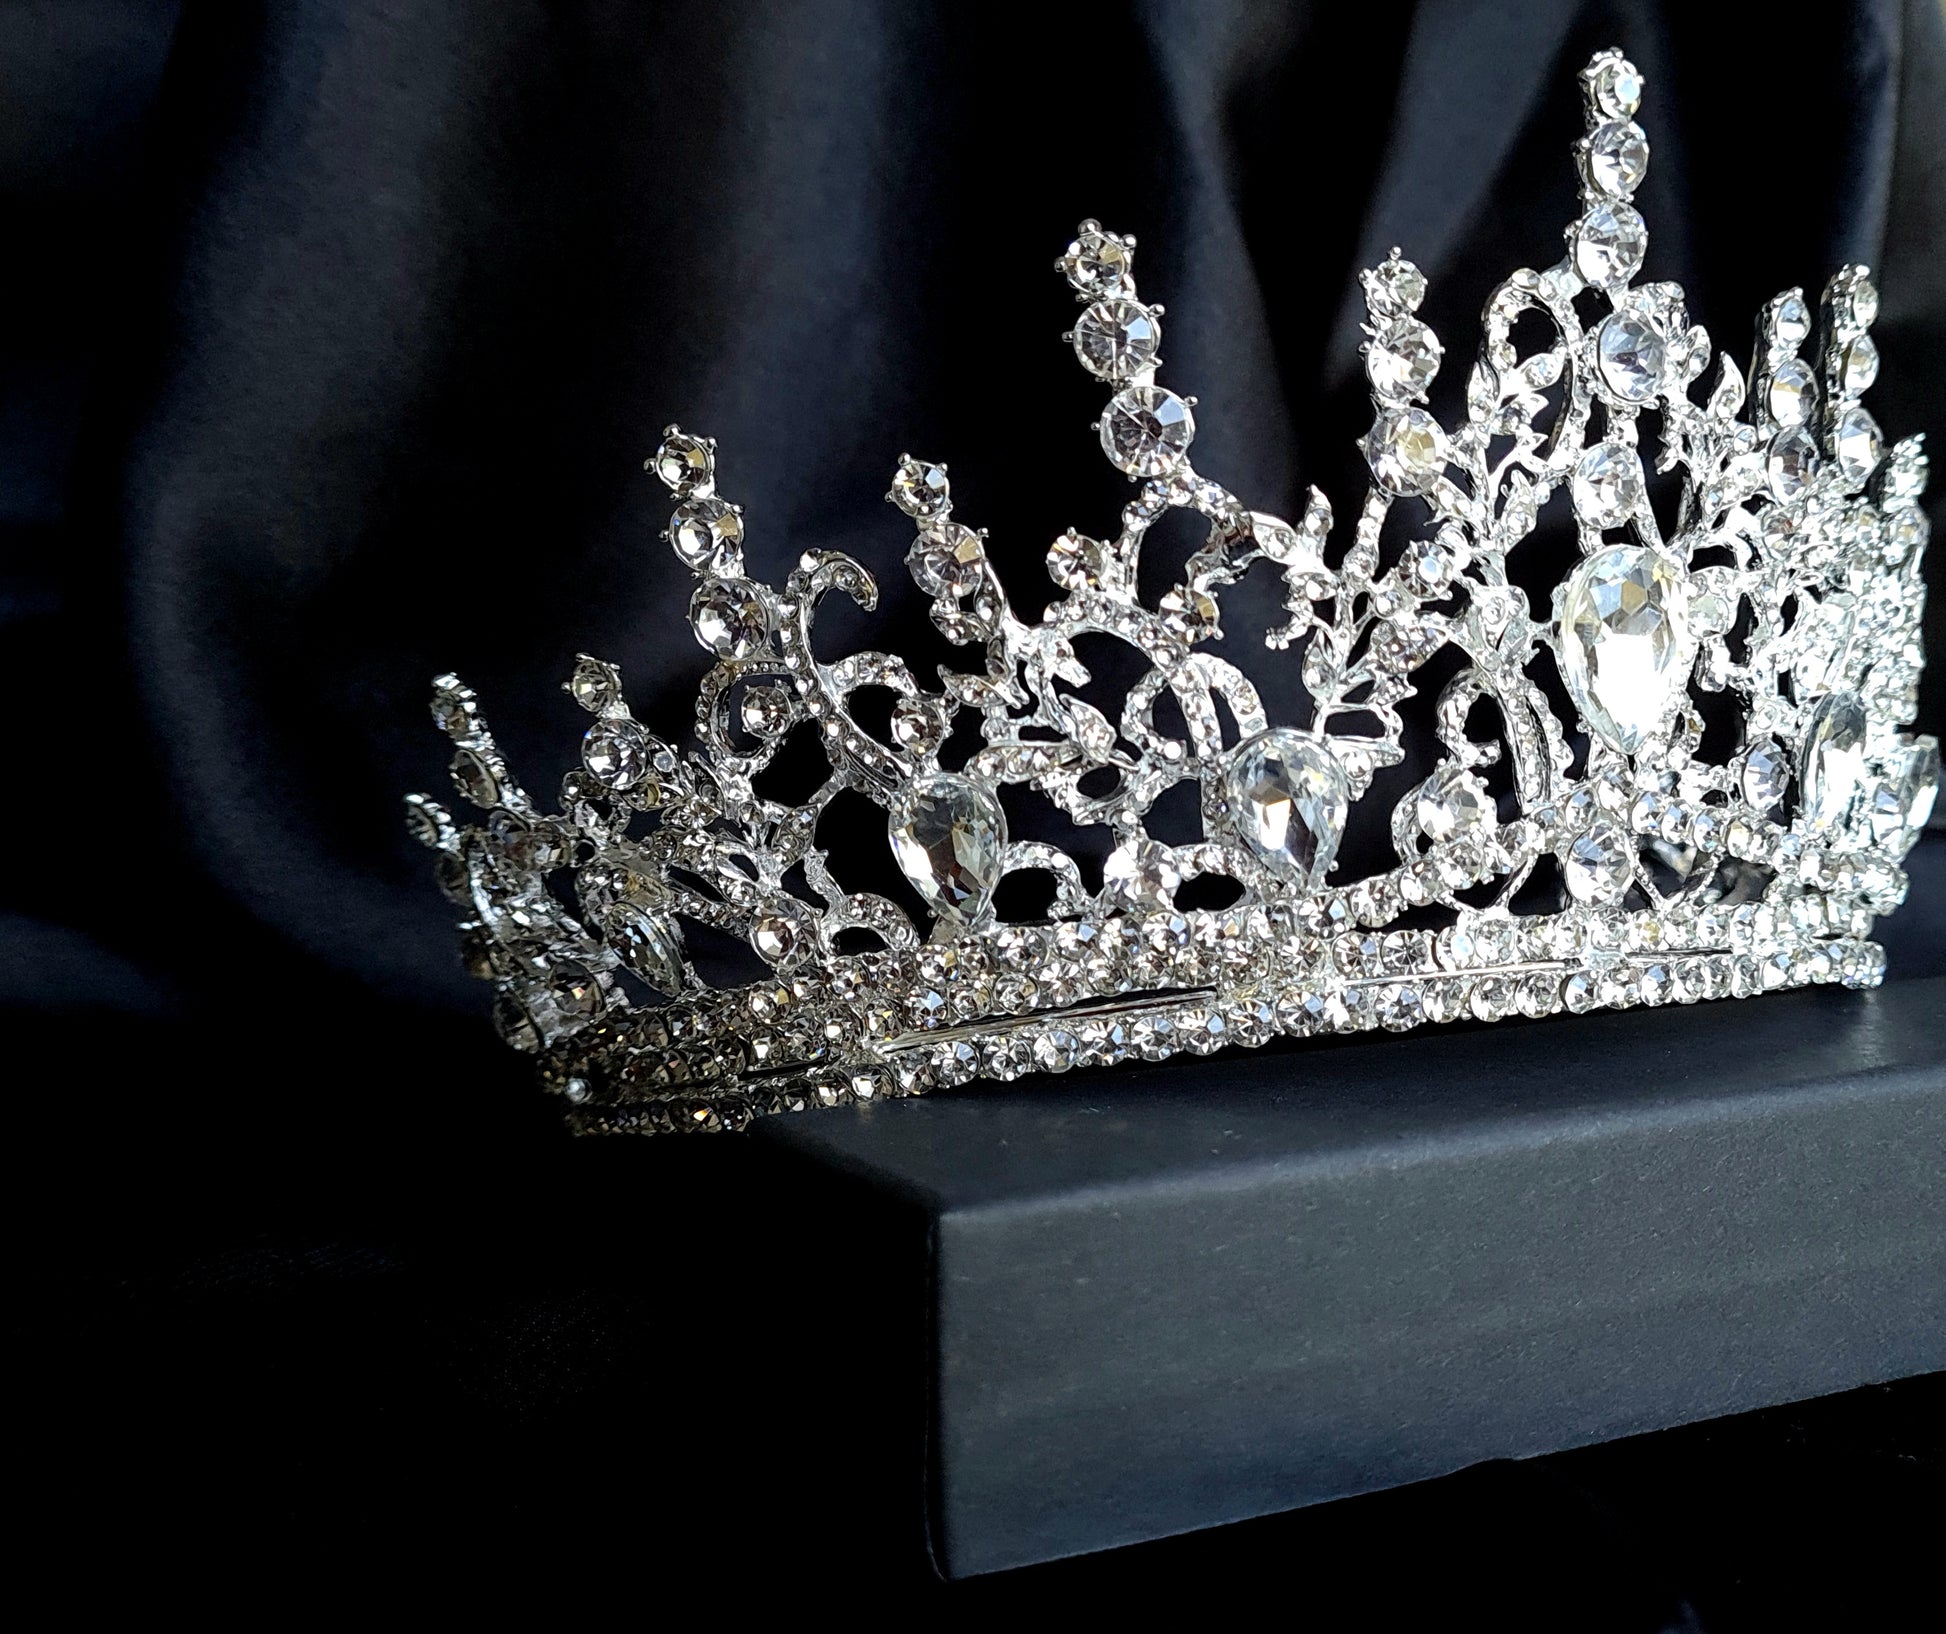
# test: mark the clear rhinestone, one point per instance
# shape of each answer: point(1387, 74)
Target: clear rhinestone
point(1075, 562)
point(706, 534)
point(1609, 245)
point(1790, 324)
point(1145, 431)
point(1623, 640)
point(1140, 873)
point(1858, 307)
point(776, 937)
point(1403, 359)
point(1793, 463)
point(920, 489)
point(1793, 392)
point(1056, 1050)
point(1407, 451)
point(1396, 285)
point(1821, 643)
point(1608, 486)
point(916, 723)
point(1288, 801)
point(1430, 564)
point(1766, 774)
point(1632, 354)
point(1617, 87)
point(1860, 367)
point(1713, 600)
point(682, 462)
point(1454, 805)
point(594, 685)
point(1856, 442)
point(766, 710)
point(427, 821)
point(1618, 157)
point(1598, 865)
point(1832, 774)
point(474, 777)
point(949, 835)
point(1099, 263)
point(946, 560)
point(1918, 782)
point(730, 617)
point(1115, 339)
point(1400, 1007)
point(616, 753)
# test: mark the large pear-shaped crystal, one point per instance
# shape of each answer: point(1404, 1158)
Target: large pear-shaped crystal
point(1288, 800)
point(1623, 638)
point(948, 834)
point(1832, 773)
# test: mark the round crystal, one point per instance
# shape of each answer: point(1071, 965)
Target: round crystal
point(1765, 776)
point(1450, 807)
point(1857, 444)
point(1098, 263)
point(1403, 359)
point(1618, 157)
point(1146, 430)
point(775, 937)
point(1713, 598)
point(683, 462)
point(765, 710)
point(1609, 245)
point(616, 753)
point(1429, 564)
point(946, 560)
point(1115, 339)
point(730, 617)
point(920, 489)
point(1793, 392)
point(1140, 873)
point(1860, 365)
point(1793, 463)
point(915, 723)
point(1399, 283)
point(594, 685)
point(1597, 866)
point(1790, 323)
point(1608, 486)
point(1632, 354)
point(706, 534)
point(1074, 561)
point(1408, 451)
point(1618, 87)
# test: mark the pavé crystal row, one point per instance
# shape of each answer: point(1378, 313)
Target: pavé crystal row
point(1786, 579)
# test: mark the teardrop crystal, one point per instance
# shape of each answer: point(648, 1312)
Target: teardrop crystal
point(948, 834)
point(1624, 641)
point(1288, 801)
point(1832, 774)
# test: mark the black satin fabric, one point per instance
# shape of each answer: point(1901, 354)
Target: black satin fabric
point(337, 331)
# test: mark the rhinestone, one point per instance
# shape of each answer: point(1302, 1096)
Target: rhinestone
point(1430, 565)
point(706, 534)
point(1056, 1050)
point(475, 779)
point(1288, 799)
point(1860, 304)
point(1860, 366)
point(1790, 323)
point(1145, 431)
point(1632, 355)
point(1918, 783)
point(1766, 774)
point(1623, 639)
point(1397, 284)
point(775, 936)
point(1075, 562)
point(920, 489)
point(947, 560)
point(949, 835)
point(682, 462)
point(1140, 873)
point(1617, 87)
point(1793, 463)
point(1618, 157)
point(1115, 339)
point(1832, 774)
point(1598, 865)
point(1609, 245)
point(1856, 442)
point(730, 617)
point(1453, 806)
point(1608, 487)
point(1400, 1007)
point(1793, 393)
point(1403, 359)
point(1098, 263)
point(1407, 451)
point(766, 710)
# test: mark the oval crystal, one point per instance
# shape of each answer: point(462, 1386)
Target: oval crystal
point(948, 835)
point(1408, 451)
point(1632, 355)
point(1831, 772)
point(1288, 800)
point(1623, 640)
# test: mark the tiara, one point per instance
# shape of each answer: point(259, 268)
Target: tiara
point(1619, 866)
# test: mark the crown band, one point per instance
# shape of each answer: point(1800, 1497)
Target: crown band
point(1789, 583)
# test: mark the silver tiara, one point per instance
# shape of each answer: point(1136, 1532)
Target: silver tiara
point(1622, 867)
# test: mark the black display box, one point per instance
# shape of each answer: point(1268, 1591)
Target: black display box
point(1161, 1299)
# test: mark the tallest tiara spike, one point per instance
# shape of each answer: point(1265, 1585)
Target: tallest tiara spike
point(1622, 866)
